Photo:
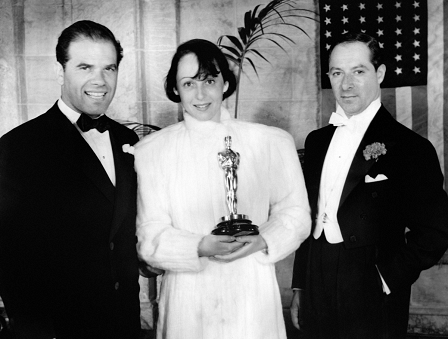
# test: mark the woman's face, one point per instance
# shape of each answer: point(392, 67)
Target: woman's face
point(200, 98)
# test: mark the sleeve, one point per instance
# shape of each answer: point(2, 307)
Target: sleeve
point(159, 243)
point(24, 254)
point(289, 219)
point(423, 207)
point(300, 267)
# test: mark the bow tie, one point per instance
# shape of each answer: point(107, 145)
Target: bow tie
point(86, 123)
point(339, 120)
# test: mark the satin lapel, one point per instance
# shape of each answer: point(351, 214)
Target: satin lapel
point(317, 157)
point(360, 166)
point(78, 154)
point(124, 183)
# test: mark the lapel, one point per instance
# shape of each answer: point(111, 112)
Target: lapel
point(313, 168)
point(74, 150)
point(376, 132)
point(125, 180)
point(77, 153)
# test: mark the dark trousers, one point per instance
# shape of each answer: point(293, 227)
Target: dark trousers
point(344, 296)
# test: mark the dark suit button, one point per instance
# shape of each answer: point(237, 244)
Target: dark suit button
point(111, 246)
point(363, 216)
point(117, 285)
point(353, 238)
point(374, 195)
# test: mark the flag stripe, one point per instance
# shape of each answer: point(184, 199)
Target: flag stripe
point(404, 105)
point(444, 68)
point(419, 110)
point(388, 98)
point(435, 77)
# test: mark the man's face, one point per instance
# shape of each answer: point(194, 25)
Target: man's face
point(89, 80)
point(353, 78)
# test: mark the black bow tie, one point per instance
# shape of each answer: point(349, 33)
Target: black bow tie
point(86, 123)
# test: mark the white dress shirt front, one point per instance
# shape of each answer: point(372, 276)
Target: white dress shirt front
point(339, 157)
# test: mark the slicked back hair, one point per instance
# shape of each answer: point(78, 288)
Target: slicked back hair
point(85, 29)
point(370, 42)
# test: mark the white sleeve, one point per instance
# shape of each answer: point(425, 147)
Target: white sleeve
point(159, 243)
point(289, 220)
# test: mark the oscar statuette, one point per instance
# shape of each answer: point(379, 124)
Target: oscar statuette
point(233, 224)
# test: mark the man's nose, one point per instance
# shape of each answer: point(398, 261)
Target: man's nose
point(347, 82)
point(98, 78)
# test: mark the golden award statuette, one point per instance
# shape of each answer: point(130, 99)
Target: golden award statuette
point(233, 224)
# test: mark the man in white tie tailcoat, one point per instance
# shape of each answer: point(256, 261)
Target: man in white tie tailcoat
point(380, 213)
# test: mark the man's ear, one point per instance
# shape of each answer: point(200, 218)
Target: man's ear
point(381, 73)
point(59, 73)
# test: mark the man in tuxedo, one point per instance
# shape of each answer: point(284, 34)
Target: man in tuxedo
point(68, 261)
point(380, 213)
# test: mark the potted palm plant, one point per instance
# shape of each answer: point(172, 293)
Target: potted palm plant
point(259, 24)
point(139, 128)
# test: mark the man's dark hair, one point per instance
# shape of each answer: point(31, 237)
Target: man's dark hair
point(85, 29)
point(370, 42)
point(211, 62)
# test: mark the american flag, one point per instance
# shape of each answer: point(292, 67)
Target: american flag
point(414, 37)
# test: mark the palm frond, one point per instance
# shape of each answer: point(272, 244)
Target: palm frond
point(139, 128)
point(259, 54)
point(231, 58)
point(254, 13)
point(258, 24)
point(253, 65)
point(231, 50)
point(273, 41)
point(234, 40)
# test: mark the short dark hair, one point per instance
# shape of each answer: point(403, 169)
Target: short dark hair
point(212, 61)
point(88, 30)
point(370, 42)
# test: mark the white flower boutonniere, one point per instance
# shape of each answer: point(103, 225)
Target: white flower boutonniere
point(128, 149)
point(374, 150)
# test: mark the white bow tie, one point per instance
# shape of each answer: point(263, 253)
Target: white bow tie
point(339, 120)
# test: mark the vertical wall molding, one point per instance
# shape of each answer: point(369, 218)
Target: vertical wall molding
point(180, 114)
point(19, 54)
point(142, 96)
point(67, 12)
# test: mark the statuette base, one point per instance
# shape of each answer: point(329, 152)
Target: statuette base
point(236, 225)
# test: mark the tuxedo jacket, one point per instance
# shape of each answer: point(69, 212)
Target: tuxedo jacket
point(404, 216)
point(68, 262)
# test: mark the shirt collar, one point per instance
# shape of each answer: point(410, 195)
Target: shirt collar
point(71, 114)
point(366, 115)
point(364, 118)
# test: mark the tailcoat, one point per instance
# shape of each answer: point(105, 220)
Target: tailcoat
point(398, 226)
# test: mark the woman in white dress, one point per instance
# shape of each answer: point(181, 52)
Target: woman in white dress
point(216, 286)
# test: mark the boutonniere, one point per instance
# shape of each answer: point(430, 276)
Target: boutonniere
point(374, 150)
point(128, 149)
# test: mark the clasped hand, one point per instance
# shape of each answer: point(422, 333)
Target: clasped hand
point(226, 248)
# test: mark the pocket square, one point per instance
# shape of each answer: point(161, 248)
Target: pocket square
point(379, 177)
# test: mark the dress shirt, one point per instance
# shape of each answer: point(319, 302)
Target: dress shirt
point(99, 142)
point(340, 154)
